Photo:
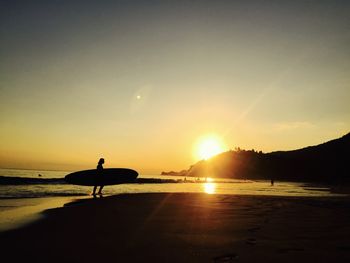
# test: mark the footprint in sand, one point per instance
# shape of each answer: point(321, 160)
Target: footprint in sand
point(225, 258)
point(254, 229)
point(290, 249)
point(251, 241)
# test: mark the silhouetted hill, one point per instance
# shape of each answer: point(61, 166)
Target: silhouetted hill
point(327, 162)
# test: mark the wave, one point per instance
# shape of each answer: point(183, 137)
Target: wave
point(40, 194)
point(7, 180)
point(156, 181)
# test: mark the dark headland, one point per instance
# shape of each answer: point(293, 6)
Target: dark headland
point(326, 163)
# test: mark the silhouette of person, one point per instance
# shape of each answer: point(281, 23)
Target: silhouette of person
point(99, 177)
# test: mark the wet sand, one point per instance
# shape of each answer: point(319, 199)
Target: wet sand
point(186, 228)
point(18, 212)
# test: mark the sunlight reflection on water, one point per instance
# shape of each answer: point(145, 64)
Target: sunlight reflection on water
point(209, 188)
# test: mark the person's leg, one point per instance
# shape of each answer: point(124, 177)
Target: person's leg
point(100, 191)
point(94, 191)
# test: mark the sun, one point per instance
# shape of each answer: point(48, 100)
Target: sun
point(208, 146)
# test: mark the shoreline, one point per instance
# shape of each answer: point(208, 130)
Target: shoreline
point(187, 227)
point(20, 212)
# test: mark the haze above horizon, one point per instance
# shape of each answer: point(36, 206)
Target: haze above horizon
point(139, 83)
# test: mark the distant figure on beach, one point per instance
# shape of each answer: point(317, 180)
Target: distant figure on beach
point(99, 177)
point(272, 181)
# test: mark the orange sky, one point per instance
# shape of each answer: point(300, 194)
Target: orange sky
point(138, 84)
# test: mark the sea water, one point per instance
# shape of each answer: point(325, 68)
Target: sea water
point(16, 183)
point(26, 193)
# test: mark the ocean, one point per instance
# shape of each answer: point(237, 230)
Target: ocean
point(15, 183)
point(26, 193)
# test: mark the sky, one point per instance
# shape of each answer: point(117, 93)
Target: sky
point(139, 82)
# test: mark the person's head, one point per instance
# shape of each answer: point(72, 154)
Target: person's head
point(101, 161)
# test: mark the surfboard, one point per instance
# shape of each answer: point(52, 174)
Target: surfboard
point(109, 176)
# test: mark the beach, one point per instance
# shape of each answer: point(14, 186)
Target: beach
point(186, 227)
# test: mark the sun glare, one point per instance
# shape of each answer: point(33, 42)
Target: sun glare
point(209, 188)
point(209, 146)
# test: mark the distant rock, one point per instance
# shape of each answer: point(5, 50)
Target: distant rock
point(181, 173)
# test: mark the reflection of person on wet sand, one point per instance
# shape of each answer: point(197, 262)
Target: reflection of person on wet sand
point(99, 177)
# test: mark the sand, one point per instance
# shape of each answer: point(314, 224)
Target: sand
point(18, 212)
point(186, 228)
